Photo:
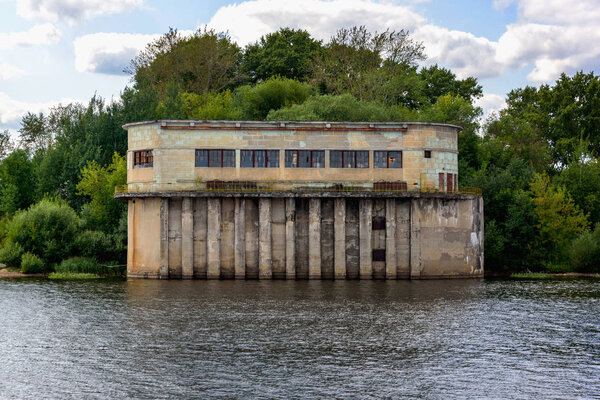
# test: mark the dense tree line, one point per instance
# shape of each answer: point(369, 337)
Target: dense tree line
point(536, 161)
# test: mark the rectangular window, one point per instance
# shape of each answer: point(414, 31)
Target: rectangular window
point(427, 154)
point(201, 158)
point(378, 254)
point(143, 159)
point(229, 158)
point(291, 158)
point(449, 182)
point(335, 159)
point(362, 159)
point(273, 159)
point(441, 181)
point(378, 223)
point(304, 158)
point(388, 159)
point(348, 159)
point(259, 159)
point(215, 158)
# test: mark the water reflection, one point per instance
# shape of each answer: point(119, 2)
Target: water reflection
point(279, 339)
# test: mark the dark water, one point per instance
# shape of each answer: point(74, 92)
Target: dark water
point(228, 339)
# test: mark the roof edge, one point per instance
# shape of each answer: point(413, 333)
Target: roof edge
point(283, 124)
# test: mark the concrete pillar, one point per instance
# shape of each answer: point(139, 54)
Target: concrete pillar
point(213, 238)
point(290, 240)
point(187, 239)
point(163, 267)
point(339, 255)
point(415, 240)
point(130, 235)
point(314, 238)
point(365, 223)
point(264, 239)
point(240, 238)
point(390, 239)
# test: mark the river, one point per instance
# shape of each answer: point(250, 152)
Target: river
point(304, 339)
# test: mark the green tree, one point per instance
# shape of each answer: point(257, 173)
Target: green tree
point(287, 53)
point(47, 229)
point(98, 183)
point(559, 219)
point(255, 102)
point(204, 62)
point(335, 108)
point(355, 59)
point(16, 182)
point(6, 144)
point(441, 81)
point(212, 106)
point(34, 132)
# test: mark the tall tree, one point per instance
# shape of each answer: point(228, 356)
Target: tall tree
point(288, 53)
point(353, 58)
point(204, 62)
point(440, 81)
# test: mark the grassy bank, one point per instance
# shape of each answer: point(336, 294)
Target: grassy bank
point(543, 275)
point(74, 275)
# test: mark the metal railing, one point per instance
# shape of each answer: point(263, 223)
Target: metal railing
point(288, 186)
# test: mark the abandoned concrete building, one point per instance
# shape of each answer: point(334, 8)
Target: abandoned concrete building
point(299, 200)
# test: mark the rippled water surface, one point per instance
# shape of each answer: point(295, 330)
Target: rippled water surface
point(278, 339)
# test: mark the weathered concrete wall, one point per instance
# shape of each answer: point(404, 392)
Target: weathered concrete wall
point(419, 237)
point(174, 142)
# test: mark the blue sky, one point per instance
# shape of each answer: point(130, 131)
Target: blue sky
point(57, 51)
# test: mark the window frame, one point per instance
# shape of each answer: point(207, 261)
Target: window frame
point(267, 159)
point(427, 154)
point(222, 154)
point(292, 152)
point(387, 159)
point(352, 158)
point(148, 154)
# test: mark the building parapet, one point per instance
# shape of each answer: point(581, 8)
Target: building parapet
point(289, 188)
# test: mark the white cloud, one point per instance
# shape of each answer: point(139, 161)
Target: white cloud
point(108, 53)
point(466, 54)
point(72, 11)
point(38, 35)
point(246, 22)
point(551, 36)
point(8, 71)
point(490, 102)
point(554, 35)
point(11, 110)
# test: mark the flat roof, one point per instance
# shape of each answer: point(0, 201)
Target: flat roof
point(283, 125)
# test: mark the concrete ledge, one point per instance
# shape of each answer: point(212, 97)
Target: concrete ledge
point(287, 194)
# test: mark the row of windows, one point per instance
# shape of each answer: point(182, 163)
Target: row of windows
point(293, 158)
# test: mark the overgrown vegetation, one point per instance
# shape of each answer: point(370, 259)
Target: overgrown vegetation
point(536, 161)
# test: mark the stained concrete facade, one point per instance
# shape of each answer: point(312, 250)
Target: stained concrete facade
point(173, 144)
point(181, 229)
point(255, 237)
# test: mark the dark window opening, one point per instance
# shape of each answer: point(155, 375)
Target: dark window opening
point(427, 153)
point(215, 158)
point(259, 159)
point(378, 254)
point(378, 223)
point(348, 159)
point(143, 159)
point(388, 159)
point(304, 158)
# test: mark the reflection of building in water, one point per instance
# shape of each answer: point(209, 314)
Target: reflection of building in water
point(294, 200)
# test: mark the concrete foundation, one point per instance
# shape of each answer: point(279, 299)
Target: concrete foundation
point(207, 236)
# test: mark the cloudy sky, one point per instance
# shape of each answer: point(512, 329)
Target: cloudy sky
point(57, 51)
